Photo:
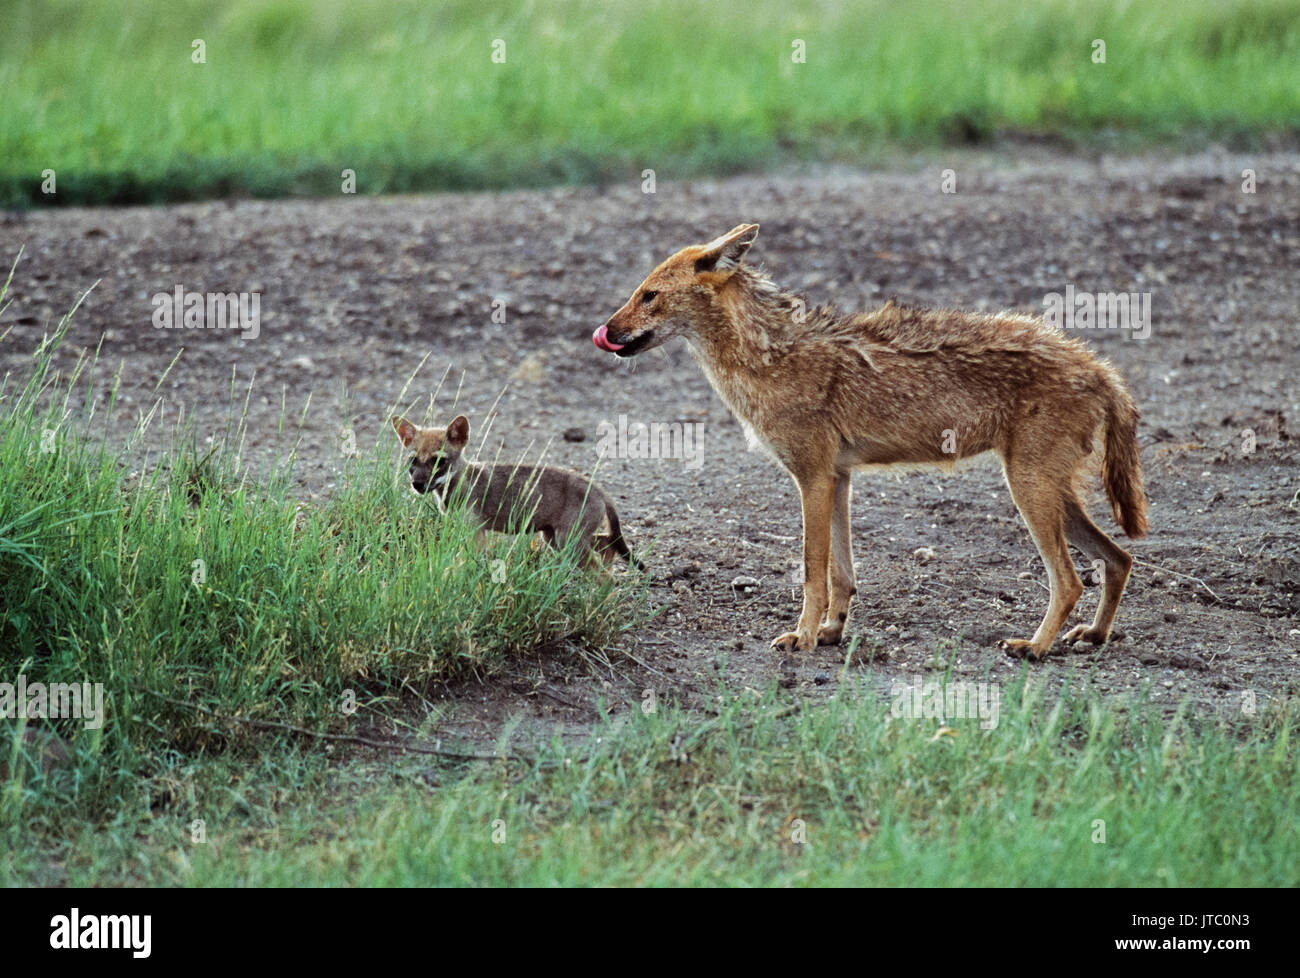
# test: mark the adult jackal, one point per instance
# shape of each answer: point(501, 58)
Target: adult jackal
point(826, 393)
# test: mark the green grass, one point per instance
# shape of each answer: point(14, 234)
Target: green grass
point(292, 93)
point(1065, 790)
point(193, 581)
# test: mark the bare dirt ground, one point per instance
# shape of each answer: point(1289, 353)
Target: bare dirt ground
point(357, 291)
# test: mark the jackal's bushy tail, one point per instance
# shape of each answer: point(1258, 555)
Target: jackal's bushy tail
point(1121, 466)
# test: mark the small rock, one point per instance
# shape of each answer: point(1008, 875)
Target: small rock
point(574, 434)
point(923, 554)
point(744, 585)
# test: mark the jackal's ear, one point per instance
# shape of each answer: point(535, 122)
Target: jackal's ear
point(723, 254)
point(458, 432)
point(405, 430)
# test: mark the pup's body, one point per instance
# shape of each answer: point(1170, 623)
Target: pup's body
point(827, 393)
point(551, 501)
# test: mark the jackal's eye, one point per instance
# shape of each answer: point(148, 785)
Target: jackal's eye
point(648, 297)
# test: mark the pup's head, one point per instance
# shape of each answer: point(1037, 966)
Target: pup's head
point(437, 452)
point(679, 296)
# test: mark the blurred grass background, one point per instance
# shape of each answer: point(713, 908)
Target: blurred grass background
point(407, 94)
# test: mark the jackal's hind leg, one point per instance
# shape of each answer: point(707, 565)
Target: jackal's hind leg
point(1042, 504)
point(1116, 565)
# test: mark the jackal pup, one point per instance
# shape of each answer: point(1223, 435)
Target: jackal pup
point(826, 393)
point(551, 501)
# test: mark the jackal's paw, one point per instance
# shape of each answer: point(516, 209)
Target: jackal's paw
point(830, 633)
point(1085, 633)
point(792, 640)
point(1022, 648)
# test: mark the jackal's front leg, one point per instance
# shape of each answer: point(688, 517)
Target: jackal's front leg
point(842, 582)
point(818, 499)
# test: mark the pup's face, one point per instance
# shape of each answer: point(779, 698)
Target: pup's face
point(436, 452)
point(677, 296)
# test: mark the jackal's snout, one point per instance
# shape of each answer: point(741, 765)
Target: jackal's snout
point(632, 328)
point(421, 473)
point(602, 340)
point(612, 338)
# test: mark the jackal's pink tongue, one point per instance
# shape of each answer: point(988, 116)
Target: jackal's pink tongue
point(603, 341)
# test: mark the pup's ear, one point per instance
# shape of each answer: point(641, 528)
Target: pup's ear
point(723, 254)
point(458, 432)
point(405, 430)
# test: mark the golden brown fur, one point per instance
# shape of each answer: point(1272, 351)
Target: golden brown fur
point(827, 393)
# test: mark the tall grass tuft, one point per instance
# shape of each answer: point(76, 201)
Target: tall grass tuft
point(191, 583)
